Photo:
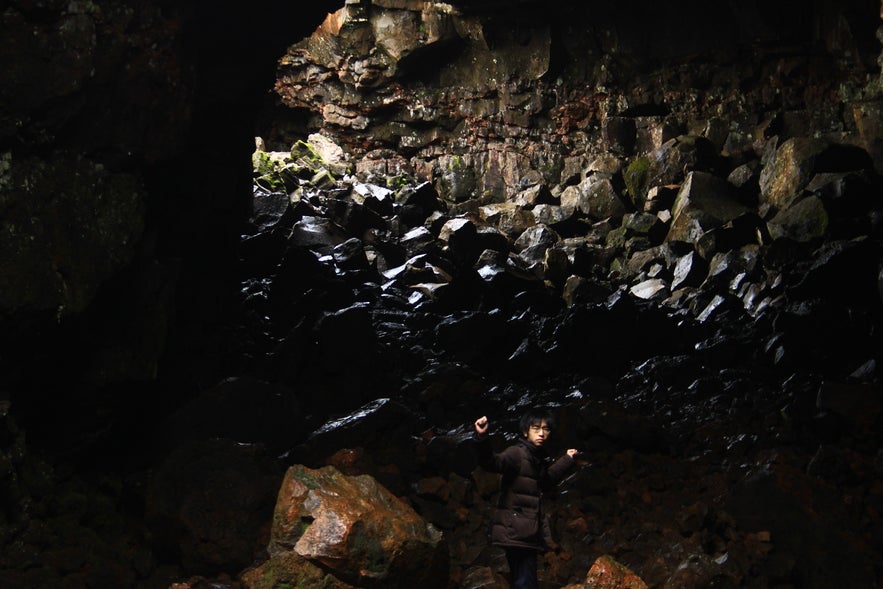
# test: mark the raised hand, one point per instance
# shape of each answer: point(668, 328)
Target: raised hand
point(572, 452)
point(481, 425)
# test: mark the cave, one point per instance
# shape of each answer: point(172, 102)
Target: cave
point(240, 240)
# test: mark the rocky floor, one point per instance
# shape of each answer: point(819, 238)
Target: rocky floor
point(729, 428)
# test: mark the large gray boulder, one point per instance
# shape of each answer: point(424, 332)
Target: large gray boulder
point(705, 202)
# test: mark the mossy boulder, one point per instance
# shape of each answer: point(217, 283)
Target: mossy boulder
point(637, 180)
point(456, 179)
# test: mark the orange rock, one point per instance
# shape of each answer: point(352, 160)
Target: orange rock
point(354, 529)
point(607, 573)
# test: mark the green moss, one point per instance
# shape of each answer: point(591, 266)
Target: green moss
point(366, 548)
point(637, 180)
point(398, 182)
point(305, 150)
point(268, 172)
point(309, 481)
point(272, 182)
point(263, 163)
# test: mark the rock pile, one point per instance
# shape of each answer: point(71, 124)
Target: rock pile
point(664, 329)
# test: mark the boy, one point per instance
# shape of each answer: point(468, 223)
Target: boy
point(518, 525)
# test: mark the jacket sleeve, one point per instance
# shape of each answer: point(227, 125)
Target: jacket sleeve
point(502, 462)
point(560, 468)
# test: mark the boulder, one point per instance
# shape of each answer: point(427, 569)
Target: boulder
point(690, 270)
point(607, 573)
point(532, 258)
point(317, 233)
point(746, 178)
point(678, 157)
point(648, 289)
point(652, 226)
point(846, 194)
point(419, 240)
point(347, 531)
point(491, 238)
point(350, 255)
point(378, 198)
point(552, 215)
point(268, 208)
point(654, 131)
point(456, 179)
point(507, 217)
point(704, 202)
point(599, 199)
point(807, 220)
point(789, 170)
point(579, 290)
point(641, 261)
point(660, 199)
point(725, 266)
point(533, 195)
point(422, 198)
point(330, 154)
point(415, 270)
point(538, 235)
point(461, 237)
point(556, 266)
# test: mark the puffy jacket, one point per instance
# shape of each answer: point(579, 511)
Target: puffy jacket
point(518, 519)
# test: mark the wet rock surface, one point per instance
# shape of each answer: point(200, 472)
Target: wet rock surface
point(691, 366)
point(457, 214)
point(350, 531)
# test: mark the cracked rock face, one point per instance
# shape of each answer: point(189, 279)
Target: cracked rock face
point(519, 93)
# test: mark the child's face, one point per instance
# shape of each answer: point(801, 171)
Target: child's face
point(538, 433)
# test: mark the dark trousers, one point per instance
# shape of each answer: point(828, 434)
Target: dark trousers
point(522, 568)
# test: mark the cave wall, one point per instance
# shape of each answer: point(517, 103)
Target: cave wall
point(125, 131)
point(476, 99)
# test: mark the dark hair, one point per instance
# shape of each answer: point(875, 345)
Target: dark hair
point(535, 417)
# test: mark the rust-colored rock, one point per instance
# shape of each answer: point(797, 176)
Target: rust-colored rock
point(607, 573)
point(354, 530)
